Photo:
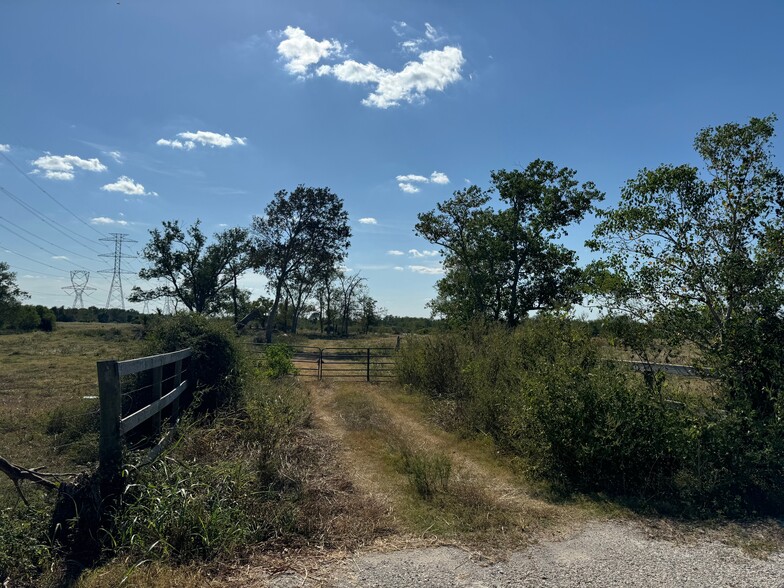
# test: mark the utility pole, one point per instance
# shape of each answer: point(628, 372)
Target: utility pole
point(79, 279)
point(115, 290)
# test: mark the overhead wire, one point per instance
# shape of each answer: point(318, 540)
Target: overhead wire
point(12, 223)
point(52, 223)
point(59, 269)
point(63, 206)
point(44, 249)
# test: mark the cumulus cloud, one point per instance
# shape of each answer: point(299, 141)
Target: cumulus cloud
point(299, 51)
point(424, 253)
point(395, 252)
point(189, 140)
point(408, 182)
point(63, 167)
point(433, 71)
point(438, 177)
point(105, 220)
point(426, 270)
point(368, 220)
point(4, 148)
point(126, 185)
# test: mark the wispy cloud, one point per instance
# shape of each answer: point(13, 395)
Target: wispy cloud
point(116, 155)
point(368, 220)
point(126, 185)
point(395, 252)
point(60, 257)
point(189, 140)
point(398, 268)
point(63, 167)
point(416, 254)
point(426, 270)
point(299, 51)
point(407, 183)
point(5, 148)
point(105, 220)
point(434, 71)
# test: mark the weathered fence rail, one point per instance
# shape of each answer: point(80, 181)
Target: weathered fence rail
point(685, 371)
point(114, 425)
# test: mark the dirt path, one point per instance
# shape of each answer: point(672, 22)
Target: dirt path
point(526, 541)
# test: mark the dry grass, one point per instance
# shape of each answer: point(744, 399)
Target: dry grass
point(41, 372)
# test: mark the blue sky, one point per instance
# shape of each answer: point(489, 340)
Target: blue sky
point(124, 114)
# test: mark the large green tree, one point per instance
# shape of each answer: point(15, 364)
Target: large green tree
point(200, 275)
point(502, 264)
point(702, 253)
point(303, 231)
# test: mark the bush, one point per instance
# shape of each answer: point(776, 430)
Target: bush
point(543, 393)
point(25, 551)
point(277, 361)
point(217, 354)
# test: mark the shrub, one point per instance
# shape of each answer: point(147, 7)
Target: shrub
point(25, 551)
point(277, 361)
point(217, 354)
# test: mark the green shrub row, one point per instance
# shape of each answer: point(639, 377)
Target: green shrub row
point(584, 424)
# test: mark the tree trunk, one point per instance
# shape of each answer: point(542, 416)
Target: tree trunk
point(273, 312)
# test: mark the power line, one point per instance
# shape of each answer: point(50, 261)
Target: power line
point(59, 269)
point(12, 223)
point(63, 206)
point(44, 249)
point(53, 224)
point(24, 269)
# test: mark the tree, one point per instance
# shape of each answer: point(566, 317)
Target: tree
point(10, 294)
point(201, 276)
point(307, 228)
point(507, 263)
point(702, 253)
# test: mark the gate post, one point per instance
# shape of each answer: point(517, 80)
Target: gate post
point(368, 364)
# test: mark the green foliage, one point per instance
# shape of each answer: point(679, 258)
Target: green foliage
point(218, 356)
point(581, 423)
point(703, 255)
point(187, 513)
point(503, 264)
point(277, 361)
point(25, 550)
point(201, 276)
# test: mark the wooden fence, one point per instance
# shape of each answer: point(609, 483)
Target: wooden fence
point(115, 425)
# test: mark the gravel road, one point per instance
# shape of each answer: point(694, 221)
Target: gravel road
point(602, 554)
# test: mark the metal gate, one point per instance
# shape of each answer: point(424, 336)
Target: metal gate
point(357, 364)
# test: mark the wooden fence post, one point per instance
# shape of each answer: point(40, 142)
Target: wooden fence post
point(157, 387)
point(175, 411)
point(368, 364)
point(110, 399)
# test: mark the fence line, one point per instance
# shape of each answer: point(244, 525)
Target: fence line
point(114, 426)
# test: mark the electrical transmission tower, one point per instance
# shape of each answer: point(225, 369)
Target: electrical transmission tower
point(79, 279)
point(115, 290)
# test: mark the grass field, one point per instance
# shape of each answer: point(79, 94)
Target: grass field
point(46, 384)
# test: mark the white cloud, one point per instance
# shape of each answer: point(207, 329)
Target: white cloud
point(407, 182)
point(126, 185)
point(397, 268)
point(204, 138)
point(410, 188)
point(60, 257)
point(4, 148)
point(426, 270)
point(438, 177)
point(435, 70)
point(300, 51)
point(116, 155)
point(63, 167)
point(368, 220)
point(105, 220)
point(424, 253)
point(395, 252)
point(432, 33)
point(411, 178)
